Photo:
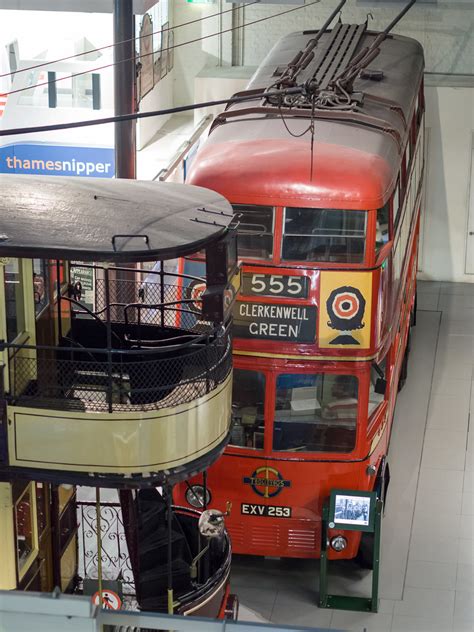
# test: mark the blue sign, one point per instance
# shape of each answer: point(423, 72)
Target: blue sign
point(57, 160)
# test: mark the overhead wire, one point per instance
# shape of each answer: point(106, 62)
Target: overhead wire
point(139, 115)
point(125, 41)
point(138, 57)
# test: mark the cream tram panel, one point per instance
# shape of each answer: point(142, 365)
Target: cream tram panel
point(119, 443)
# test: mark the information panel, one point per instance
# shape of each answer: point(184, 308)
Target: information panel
point(352, 510)
point(275, 322)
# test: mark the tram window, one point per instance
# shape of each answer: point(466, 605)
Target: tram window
point(255, 231)
point(14, 302)
point(315, 413)
point(248, 397)
point(383, 221)
point(315, 234)
point(25, 527)
point(42, 507)
point(40, 284)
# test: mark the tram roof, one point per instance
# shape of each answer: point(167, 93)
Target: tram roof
point(91, 219)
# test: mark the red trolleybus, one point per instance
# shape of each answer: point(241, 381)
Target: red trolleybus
point(328, 184)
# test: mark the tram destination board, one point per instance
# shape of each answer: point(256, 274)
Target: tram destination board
point(274, 322)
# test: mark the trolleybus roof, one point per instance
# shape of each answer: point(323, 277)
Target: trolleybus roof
point(356, 157)
point(91, 219)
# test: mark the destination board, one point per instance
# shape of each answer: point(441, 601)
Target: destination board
point(256, 284)
point(274, 322)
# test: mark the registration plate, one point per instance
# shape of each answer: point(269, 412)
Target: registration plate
point(267, 511)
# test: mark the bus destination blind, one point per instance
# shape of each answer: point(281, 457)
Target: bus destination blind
point(274, 322)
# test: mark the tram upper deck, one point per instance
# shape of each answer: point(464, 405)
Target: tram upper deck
point(130, 385)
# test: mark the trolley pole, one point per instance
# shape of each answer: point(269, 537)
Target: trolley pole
point(124, 89)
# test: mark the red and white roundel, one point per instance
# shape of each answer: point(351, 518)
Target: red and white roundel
point(346, 305)
point(196, 293)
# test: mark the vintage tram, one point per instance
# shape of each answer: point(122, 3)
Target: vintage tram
point(327, 180)
point(100, 388)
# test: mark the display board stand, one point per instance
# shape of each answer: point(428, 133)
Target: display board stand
point(347, 602)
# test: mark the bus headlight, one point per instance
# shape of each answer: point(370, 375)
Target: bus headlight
point(195, 496)
point(338, 543)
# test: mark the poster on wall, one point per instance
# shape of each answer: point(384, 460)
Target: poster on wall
point(170, 50)
point(164, 48)
point(146, 77)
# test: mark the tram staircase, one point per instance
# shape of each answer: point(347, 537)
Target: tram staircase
point(153, 553)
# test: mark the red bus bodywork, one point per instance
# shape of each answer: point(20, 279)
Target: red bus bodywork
point(277, 495)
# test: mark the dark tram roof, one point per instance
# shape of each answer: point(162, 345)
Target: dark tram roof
point(91, 219)
point(347, 152)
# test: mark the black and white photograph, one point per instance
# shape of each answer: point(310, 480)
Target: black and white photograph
point(352, 509)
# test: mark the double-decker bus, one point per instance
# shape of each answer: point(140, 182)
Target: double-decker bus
point(326, 174)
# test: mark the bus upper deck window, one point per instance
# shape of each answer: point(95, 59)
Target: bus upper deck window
point(377, 385)
point(332, 235)
point(255, 231)
point(396, 205)
point(315, 413)
point(382, 235)
point(248, 397)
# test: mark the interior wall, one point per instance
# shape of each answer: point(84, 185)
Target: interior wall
point(446, 29)
point(450, 124)
point(193, 54)
point(161, 97)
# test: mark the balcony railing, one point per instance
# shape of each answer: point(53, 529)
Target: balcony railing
point(130, 381)
point(139, 346)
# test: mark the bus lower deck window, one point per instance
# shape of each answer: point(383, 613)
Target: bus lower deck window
point(315, 413)
point(247, 409)
point(331, 235)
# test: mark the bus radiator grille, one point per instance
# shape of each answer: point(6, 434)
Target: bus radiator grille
point(258, 537)
point(265, 539)
point(303, 539)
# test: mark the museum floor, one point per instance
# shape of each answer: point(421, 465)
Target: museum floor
point(427, 563)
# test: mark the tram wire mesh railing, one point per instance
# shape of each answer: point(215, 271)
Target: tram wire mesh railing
point(146, 288)
point(151, 293)
point(160, 351)
point(61, 378)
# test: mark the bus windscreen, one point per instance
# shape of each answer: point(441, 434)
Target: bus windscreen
point(318, 234)
point(315, 413)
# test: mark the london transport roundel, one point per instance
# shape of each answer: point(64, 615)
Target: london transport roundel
point(110, 600)
point(196, 290)
point(266, 482)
